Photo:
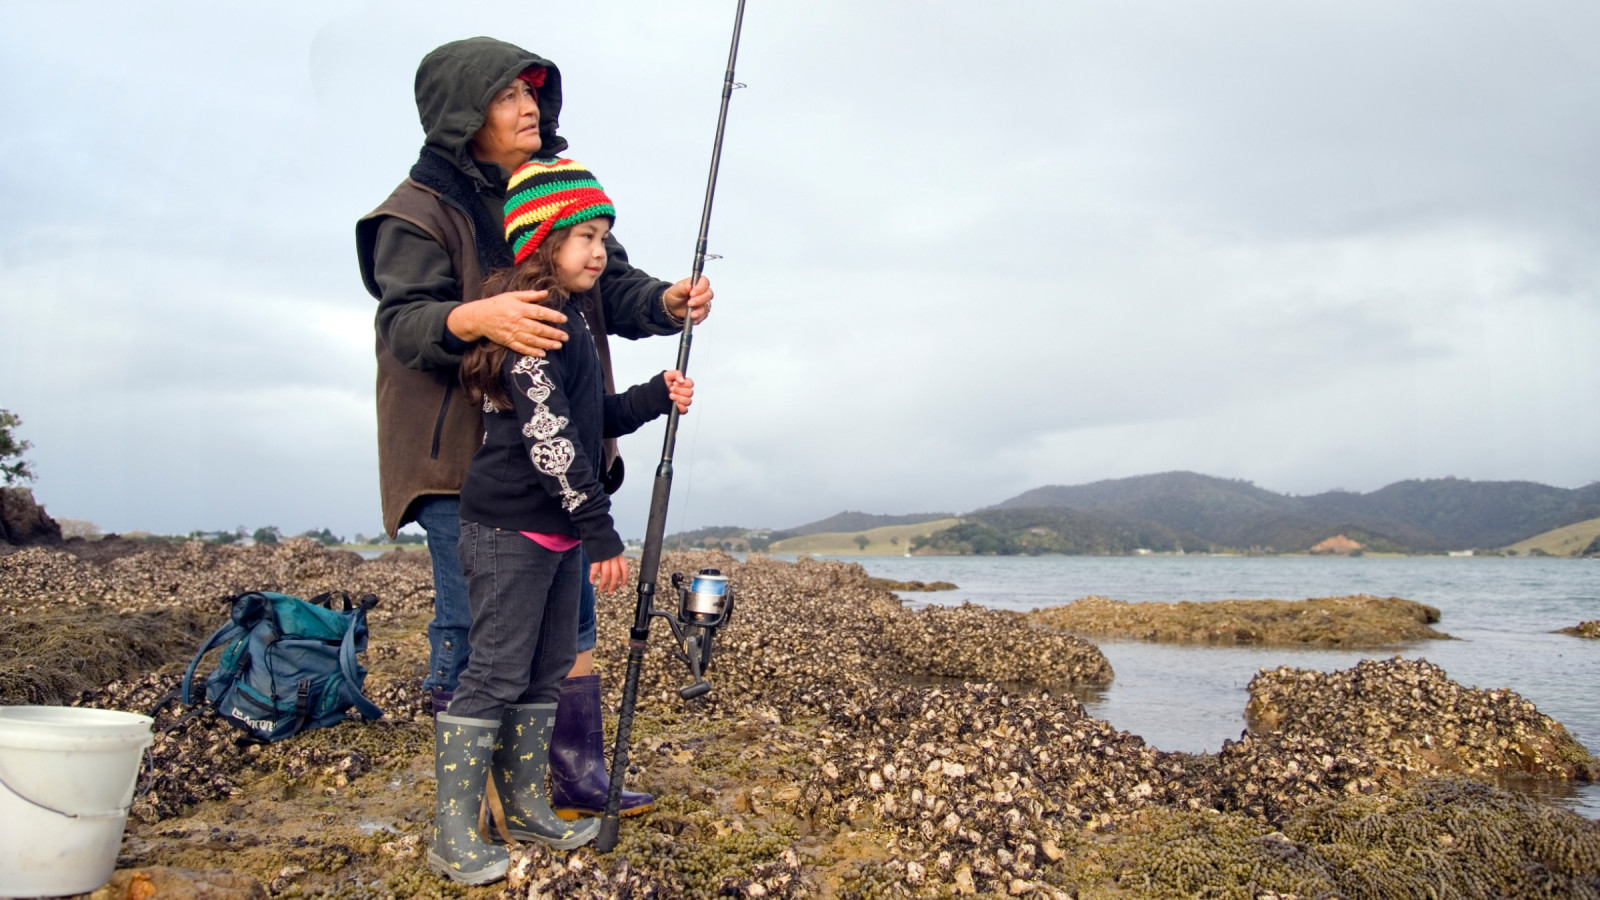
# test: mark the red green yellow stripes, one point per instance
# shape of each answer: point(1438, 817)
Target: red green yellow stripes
point(546, 194)
point(536, 167)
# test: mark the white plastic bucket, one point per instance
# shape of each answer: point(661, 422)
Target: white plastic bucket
point(67, 777)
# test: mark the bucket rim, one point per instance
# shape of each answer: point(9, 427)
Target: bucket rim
point(73, 716)
point(72, 728)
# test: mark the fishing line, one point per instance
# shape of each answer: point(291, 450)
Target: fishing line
point(705, 602)
point(688, 486)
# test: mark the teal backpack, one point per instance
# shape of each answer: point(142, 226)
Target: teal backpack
point(287, 664)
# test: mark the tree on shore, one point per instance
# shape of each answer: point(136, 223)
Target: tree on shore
point(862, 541)
point(11, 448)
point(323, 537)
point(215, 537)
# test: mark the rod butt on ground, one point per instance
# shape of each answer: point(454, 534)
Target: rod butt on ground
point(610, 821)
point(606, 841)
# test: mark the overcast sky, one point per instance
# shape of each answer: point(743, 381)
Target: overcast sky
point(970, 248)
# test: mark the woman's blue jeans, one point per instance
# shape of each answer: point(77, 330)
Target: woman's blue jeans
point(440, 517)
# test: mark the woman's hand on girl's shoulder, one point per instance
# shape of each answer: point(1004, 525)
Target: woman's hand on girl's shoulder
point(609, 574)
point(680, 388)
point(515, 319)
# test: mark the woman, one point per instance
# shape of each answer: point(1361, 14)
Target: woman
point(486, 108)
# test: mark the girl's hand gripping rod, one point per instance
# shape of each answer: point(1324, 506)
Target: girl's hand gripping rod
point(655, 530)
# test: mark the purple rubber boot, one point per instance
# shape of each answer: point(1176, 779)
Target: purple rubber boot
point(578, 776)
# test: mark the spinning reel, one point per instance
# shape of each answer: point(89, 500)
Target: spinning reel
point(704, 605)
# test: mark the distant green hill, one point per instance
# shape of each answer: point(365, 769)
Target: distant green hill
point(837, 533)
point(1454, 513)
point(853, 522)
point(1202, 512)
point(730, 537)
point(1068, 531)
point(1187, 511)
point(884, 540)
point(1572, 540)
point(1198, 511)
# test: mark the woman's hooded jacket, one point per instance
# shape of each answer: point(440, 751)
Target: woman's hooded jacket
point(427, 249)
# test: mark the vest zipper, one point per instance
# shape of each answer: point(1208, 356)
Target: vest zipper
point(438, 426)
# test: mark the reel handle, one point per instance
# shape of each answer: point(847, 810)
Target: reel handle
point(698, 689)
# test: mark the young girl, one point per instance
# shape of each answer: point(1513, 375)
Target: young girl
point(532, 495)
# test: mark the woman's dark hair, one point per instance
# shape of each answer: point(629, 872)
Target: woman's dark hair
point(481, 365)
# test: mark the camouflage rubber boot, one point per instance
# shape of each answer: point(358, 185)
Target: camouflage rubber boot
point(520, 761)
point(463, 749)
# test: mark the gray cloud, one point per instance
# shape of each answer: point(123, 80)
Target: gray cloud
point(968, 251)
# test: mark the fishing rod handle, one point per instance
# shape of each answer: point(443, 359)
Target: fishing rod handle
point(654, 533)
point(611, 821)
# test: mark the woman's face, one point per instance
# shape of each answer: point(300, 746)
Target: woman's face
point(510, 132)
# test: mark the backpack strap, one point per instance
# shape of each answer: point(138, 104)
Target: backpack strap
point(302, 707)
point(161, 704)
point(347, 659)
point(326, 598)
point(226, 633)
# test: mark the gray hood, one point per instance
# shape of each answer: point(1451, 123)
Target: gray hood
point(455, 83)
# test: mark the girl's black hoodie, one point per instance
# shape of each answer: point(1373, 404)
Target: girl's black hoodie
point(540, 464)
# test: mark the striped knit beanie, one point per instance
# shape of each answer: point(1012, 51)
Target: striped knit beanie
point(546, 194)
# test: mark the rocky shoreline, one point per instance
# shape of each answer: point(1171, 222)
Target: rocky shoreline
point(912, 586)
point(829, 760)
point(1355, 621)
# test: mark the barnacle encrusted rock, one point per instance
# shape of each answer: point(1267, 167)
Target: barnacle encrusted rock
point(978, 644)
point(158, 574)
point(1356, 621)
point(1408, 717)
point(825, 763)
point(983, 787)
point(912, 587)
point(1589, 629)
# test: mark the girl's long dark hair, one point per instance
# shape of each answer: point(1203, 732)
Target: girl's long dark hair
point(481, 365)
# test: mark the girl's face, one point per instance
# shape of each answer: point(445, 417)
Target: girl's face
point(582, 256)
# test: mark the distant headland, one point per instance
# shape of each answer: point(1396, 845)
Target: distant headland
point(1185, 512)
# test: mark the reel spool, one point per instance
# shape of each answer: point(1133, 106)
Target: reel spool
point(705, 603)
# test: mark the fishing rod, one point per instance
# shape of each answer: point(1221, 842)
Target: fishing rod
point(706, 602)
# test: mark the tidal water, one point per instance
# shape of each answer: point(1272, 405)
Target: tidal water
point(1502, 612)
